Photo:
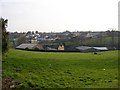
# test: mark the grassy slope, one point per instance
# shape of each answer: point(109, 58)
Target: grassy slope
point(47, 69)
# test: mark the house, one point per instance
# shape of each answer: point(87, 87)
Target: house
point(92, 34)
point(66, 33)
point(34, 41)
point(29, 46)
point(61, 47)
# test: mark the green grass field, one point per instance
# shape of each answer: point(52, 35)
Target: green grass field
point(62, 70)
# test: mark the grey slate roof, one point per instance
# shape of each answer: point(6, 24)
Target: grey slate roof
point(24, 46)
point(101, 48)
point(83, 47)
point(87, 47)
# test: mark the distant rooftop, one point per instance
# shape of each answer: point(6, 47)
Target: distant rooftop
point(87, 47)
point(26, 45)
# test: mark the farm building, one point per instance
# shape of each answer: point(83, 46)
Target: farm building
point(101, 48)
point(49, 48)
point(53, 47)
point(91, 49)
point(70, 48)
point(61, 47)
point(29, 46)
point(85, 49)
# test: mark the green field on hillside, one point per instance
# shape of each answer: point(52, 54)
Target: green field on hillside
point(62, 70)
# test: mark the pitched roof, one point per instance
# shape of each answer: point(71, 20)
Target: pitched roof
point(24, 46)
point(101, 48)
point(87, 47)
point(83, 47)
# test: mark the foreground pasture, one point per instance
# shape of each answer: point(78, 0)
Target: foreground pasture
point(62, 70)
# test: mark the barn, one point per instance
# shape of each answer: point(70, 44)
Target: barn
point(29, 46)
point(91, 49)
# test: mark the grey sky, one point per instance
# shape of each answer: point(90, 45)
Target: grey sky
point(60, 15)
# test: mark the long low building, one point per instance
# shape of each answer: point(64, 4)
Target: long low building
point(100, 48)
point(29, 46)
point(61, 47)
point(91, 49)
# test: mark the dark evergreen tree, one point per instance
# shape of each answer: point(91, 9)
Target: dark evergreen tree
point(3, 24)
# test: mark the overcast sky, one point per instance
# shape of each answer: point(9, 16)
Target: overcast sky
point(60, 15)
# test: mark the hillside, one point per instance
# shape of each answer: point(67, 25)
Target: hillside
point(61, 70)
